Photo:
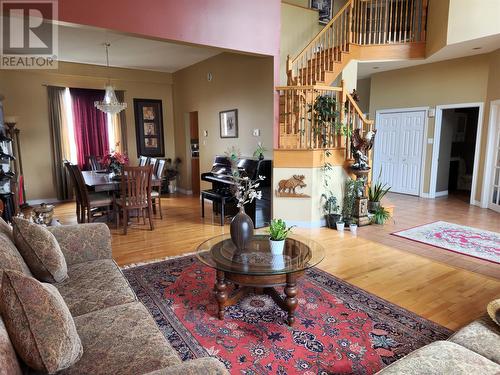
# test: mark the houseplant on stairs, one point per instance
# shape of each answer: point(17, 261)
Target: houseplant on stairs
point(278, 232)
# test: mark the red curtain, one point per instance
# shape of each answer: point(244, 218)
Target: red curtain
point(90, 125)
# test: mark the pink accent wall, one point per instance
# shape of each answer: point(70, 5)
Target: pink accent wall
point(241, 25)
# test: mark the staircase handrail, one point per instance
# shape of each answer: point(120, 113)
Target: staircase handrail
point(322, 31)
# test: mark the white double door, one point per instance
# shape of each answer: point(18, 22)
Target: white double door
point(398, 150)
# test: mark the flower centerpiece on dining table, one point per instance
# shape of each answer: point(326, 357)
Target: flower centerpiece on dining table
point(245, 191)
point(114, 162)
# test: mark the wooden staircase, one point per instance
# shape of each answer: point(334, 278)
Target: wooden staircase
point(361, 30)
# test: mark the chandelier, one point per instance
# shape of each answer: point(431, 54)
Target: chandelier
point(110, 103)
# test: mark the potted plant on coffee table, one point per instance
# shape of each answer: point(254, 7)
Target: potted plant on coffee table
point(278, 232)
point(331, 209)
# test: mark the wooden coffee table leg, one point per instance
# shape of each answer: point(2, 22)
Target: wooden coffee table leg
point(291, 301)
point(221, 293)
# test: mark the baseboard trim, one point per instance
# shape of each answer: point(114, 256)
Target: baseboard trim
point(33, 202)
point(441, 193)
point(425, 195)
point(185, 191)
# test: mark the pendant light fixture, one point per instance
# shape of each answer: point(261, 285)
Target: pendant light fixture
point(110, 103)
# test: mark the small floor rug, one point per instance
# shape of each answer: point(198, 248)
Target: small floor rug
point(340, 329)
point(469, 241)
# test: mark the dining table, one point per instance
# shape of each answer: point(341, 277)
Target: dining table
point(101, 181)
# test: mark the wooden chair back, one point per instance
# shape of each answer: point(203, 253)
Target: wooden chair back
point(160, 168)
point(136, 186)
point(143, 160)
point(152, 162)
point(93, 163)
point(79, 184)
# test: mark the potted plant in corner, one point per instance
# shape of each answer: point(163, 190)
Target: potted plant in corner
point(331, 209)
point(348, 201)
point(278, 232)
point(375, 194)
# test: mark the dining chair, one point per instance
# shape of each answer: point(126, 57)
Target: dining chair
point(89, 202)
point(143, 160)
point(135, 194)
point(93, 163)
point(156, 190)
point(78, 199)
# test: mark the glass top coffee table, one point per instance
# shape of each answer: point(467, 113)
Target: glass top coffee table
point(256, 270)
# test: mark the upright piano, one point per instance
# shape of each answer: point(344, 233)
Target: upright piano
point(220, 177)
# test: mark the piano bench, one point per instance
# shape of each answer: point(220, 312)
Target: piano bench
point(215, 196)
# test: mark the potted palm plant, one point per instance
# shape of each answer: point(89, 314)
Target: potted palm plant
point(278, 232)
point(331, 209)
point(375, 194)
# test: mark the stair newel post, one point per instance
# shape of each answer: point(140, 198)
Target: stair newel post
point(289, 72)
point(340, 139)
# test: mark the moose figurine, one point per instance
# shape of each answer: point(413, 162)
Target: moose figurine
point(287, 188)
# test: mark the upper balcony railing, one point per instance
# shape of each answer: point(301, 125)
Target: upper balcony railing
point(358, 22)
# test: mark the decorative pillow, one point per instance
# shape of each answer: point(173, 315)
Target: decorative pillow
point(39, 323)
point(494, 310)
point(10, 259)
point(40, 250)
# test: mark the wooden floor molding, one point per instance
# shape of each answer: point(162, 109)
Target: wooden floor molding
point(448, 288)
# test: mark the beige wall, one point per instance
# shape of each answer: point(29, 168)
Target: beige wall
point(456, 81)
point(298, 27)
point(363, 89)
point(26, 97)
point(239, 81)
point(469, 19)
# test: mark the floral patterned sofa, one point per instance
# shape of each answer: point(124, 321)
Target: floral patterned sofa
point(474, 349)
point(117, 332)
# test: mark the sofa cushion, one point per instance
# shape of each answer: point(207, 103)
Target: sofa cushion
point(40, 250)
point(8, 358)
point(121, 340)
point(5, 228)
point(493, 309)
point(442, 357)
point(10, 258)
point(93, 286)
point(39, 323)
point(481, 336)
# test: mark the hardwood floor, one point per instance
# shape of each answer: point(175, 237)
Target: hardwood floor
point(439, 285)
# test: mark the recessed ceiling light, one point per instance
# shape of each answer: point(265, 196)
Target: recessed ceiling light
point(476, 48)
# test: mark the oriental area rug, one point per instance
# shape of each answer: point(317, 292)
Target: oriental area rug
point(339, 328)
point(460, 239)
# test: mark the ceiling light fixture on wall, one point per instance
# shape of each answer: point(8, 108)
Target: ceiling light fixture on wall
point(110, 103)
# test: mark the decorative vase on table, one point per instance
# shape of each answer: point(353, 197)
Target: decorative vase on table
point(241, 229)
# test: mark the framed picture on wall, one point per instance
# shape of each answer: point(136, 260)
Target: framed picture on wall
point(149, 127)
point(228, 121)
point(325, 9)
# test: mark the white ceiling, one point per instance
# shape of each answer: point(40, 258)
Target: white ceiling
point(86, 45)
point(452, 51)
